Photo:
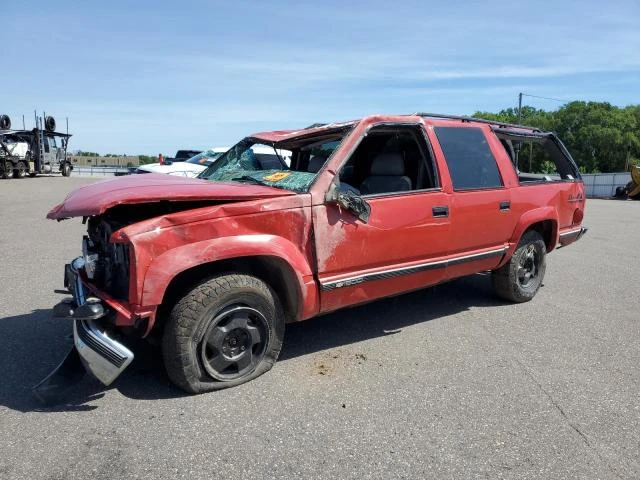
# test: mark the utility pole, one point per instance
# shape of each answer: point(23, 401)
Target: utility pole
point(518, 144)
point(519, 107)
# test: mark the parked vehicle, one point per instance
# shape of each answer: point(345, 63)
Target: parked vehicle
point(188, 168)
point(631, 189)
point(215, 267)
point(196, 165)
point(30, 152)
point(183, 155)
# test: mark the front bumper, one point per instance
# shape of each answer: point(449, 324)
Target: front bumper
point(103, 356)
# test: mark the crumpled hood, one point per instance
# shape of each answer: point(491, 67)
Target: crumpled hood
point(96, 198)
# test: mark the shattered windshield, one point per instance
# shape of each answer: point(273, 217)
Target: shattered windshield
point(250, 162)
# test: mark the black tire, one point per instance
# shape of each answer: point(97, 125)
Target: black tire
point(5, 122)
point(224, 332)
point(66, 170)
point(50, 124)
point(7, 170)
point(21, 170)
point(520, 279)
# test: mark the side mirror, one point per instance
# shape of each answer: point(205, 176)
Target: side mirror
point(358, 205)
point(350, 201)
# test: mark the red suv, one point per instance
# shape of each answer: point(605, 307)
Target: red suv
point(215, 267)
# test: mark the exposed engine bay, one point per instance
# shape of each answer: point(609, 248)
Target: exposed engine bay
point(106, 264)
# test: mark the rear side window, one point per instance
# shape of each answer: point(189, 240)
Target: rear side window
point(469, 158)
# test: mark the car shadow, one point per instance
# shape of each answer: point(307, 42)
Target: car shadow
point(388, 316)
point(33, 344)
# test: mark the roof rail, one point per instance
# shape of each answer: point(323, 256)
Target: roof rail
point(479, 120)
point(315, 125)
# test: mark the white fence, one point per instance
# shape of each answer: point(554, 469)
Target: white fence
point(604, 184)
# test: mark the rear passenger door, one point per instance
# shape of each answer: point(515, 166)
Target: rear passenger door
point(481, 216)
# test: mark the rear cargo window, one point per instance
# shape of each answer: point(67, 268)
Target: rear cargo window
point(469, 158)
point(538, 157)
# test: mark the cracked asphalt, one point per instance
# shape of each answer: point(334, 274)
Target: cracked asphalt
point(448, 382)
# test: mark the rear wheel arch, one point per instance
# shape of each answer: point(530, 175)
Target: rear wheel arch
point(543, 220)
point(548, 229)
point(274, 271)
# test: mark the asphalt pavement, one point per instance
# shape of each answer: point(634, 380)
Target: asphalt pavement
point(447, 382)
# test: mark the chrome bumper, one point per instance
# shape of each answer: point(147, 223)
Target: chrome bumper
point(102, 356)
point(572, 236)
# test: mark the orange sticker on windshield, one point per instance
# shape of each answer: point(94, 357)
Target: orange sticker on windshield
point(276, 177)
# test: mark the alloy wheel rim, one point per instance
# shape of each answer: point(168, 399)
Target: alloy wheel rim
point(235, 343)
point(528, 266)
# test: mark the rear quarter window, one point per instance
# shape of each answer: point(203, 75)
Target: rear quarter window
point(469, 158)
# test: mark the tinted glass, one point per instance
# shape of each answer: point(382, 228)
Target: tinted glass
point(471, 163)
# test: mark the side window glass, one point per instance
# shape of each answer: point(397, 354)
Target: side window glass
point(52, 142)
point(469, 158)
point(45, 140)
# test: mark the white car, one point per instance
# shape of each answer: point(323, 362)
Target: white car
point(195, 165)
point(188, 168)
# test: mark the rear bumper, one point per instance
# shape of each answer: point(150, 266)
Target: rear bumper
point(103, 356)
point(571, 236)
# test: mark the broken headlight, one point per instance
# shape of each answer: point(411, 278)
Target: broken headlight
point(90, 257)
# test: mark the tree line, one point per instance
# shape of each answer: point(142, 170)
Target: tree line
point(601, 137)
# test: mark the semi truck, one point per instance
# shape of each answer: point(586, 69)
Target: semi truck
point(40, 150)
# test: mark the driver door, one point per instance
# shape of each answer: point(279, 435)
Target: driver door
point(402, 245)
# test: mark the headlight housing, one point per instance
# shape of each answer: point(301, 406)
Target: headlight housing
point(90, 257)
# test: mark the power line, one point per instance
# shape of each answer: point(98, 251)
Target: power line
point(545, 98)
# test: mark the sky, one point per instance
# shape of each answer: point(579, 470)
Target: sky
point(149, 77)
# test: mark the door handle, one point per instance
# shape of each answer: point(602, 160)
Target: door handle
point(505, 205)
point(440, 211)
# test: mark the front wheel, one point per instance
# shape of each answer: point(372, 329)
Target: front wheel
point(520, 279)
point(224, 332)
point(66, 170)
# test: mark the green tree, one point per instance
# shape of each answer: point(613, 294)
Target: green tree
point(601, 137)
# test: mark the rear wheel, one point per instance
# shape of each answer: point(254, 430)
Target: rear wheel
point(7, 170)
point(21, 170)
point(520, 279)
point(223, 333)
